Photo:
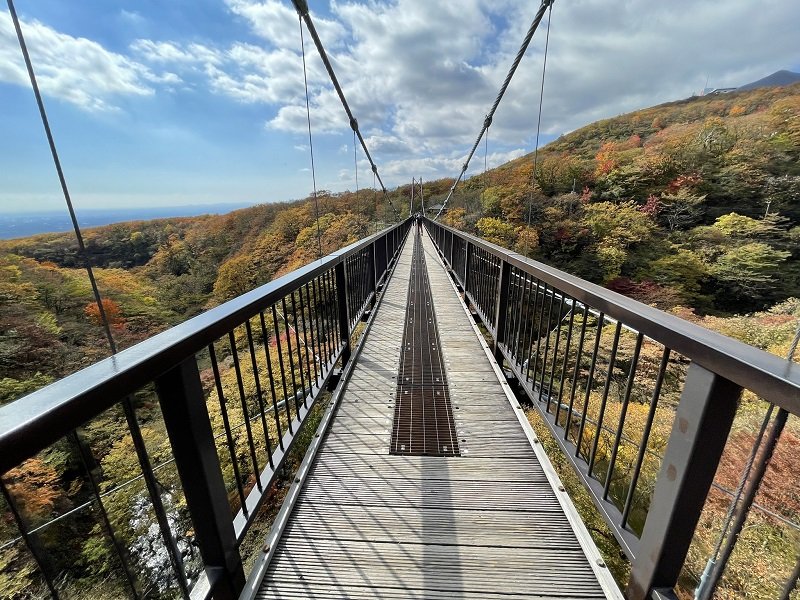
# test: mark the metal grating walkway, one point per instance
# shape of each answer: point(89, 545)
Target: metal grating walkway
point(423, 417)
point(488, 524)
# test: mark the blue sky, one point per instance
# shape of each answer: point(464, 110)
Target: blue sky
point(190, 102)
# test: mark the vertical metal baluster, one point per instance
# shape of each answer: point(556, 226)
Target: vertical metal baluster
point(265, 337)
point(523, 321)
point(490, 295)
point(259, 393)
point(330, 300)
point(226, 424)
point(576, 372)
point(482, 283)
point(299, 353)
point(611, 359)
point(30, 541)
point(366, 278)
point(555, 354)
point(286, 403)
point(539, 325)
point(487, 287)
point(527, 338)
point(245, 409)
point(322, 335)
point(495, 281)
point(309, 332)
point(361, 283)
point(662, 369)
point(354, 289)
point(546, 344)
point(622, 414)
point(86, 460)
point(589, 380)
point(562, 375)
point(334, 296)
point(511, 316)
point(469, 269)
point(477, 291)
point(154, 491)
point(290, 357)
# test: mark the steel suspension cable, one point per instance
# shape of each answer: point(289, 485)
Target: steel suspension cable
point(61, 178)
point(488, 120)
point(310, 141)
point(302, 9)
point(485, 159)
point(421, 197)
point(153, 485)
point(355, 165)
point(539, 119)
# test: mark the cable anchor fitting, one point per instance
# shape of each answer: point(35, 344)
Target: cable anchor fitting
point(301, 6)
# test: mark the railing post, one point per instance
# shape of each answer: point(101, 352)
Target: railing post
point(467, 267)
point(374, 252)
point(703, 420)
point(501, 308)
point(183, 407)
point(450, 252)
point(344, 315)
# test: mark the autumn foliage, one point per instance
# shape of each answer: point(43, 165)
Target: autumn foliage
point(111, 310)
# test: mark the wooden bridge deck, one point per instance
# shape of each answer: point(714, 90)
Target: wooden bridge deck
point(490, 523)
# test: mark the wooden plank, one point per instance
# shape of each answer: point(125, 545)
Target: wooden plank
point(441, 567)
point(482, 526)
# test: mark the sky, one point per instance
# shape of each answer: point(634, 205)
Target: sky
point(157, 103)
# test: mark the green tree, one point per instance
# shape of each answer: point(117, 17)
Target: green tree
point(497, 231)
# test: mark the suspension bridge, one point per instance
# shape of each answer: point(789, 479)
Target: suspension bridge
point(402, 365)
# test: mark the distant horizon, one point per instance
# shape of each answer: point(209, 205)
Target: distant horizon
point(22, 224)
point(49, 210)
point(208, 100)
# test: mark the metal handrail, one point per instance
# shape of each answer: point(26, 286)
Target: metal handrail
point(39, 419)
point(326, 298)
point(521, 302)
point(765, 374)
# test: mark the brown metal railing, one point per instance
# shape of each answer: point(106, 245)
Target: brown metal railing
point(624, 388)
point(232, 390)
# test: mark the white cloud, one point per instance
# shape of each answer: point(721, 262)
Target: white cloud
point(131, 17)
point(74, 69)
point(421, 75)
point(278, 23)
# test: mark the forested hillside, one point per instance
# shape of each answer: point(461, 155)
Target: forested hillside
point(693, 203)
point(692, 206)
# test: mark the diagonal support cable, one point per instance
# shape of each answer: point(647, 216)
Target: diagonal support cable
point(302, 9)
point(488, 120)
point(62, 180)
point(311, 143)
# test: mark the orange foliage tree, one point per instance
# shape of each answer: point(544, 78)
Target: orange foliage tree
point(112, 310)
